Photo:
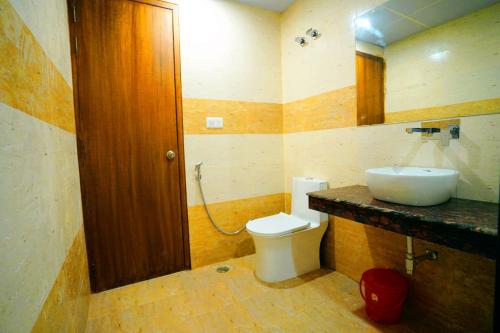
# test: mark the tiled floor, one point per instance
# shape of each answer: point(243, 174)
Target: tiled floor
point(203, 300)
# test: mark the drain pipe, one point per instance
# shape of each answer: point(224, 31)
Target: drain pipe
point(412, 260)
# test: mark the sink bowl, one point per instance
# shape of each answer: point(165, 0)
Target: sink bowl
point(412, 186)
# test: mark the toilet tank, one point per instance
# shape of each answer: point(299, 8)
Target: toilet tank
point(300, 201)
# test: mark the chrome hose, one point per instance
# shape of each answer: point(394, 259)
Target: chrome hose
point(216, 226)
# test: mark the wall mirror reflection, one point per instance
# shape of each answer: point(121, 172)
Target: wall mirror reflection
point(427, 59)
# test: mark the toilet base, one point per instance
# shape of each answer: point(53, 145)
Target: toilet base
point(286, 257)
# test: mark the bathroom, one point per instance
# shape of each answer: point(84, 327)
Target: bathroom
point(264, 99)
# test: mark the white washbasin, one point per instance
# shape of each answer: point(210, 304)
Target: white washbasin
point(412, 186)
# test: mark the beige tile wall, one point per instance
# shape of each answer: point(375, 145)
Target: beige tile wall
point(209, 246)
point(333, 109)
point(240, 117)
point(230, 51)
point(30, 81)
point(235, 166)
point(231, 68)
point(42, 273)
point(67, 304)
point(326, 64)
point(245, 77)
point(453, 63)
point(478, 107)
point(456, 291)
point(341, 155)
point(52, 34)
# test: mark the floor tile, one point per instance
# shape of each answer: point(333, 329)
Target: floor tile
point(203, 300)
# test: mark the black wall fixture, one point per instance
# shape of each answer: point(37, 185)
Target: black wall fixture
point(496, 310)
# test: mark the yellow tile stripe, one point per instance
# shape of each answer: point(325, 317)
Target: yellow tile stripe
point(333, 109)
point(66, 307)
point(486, 106)
point(239, 117)
point(29, 81)
point(209, 246)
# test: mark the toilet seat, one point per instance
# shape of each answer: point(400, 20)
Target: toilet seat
point(276, 225)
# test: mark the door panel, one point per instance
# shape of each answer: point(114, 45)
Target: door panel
point(127, 119)
point(370, 89)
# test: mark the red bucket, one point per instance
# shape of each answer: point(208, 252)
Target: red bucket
point(385, 315)
point(384, 292)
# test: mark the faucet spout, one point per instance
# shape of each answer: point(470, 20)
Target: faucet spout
point(426, 130)
point(444, 131)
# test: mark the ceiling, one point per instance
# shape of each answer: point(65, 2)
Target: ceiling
point(276, 5)
point(398, 19)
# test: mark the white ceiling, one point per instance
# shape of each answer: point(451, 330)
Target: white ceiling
point(276, 5)
point(398, 19)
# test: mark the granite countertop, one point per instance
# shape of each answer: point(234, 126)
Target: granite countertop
point(467, 225)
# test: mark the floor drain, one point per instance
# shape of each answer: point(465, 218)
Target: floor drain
point(222, 269)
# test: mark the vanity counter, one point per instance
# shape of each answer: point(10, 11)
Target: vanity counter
point(466, 225)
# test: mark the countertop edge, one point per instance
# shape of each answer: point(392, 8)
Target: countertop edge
point(420, 218)
point(465, 237)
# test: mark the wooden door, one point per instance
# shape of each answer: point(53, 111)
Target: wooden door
point(128, 101)
point(370, 88)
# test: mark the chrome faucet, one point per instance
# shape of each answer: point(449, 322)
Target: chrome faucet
point(425, 130)
point(445, 133)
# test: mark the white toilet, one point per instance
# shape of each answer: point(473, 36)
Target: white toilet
point(287, 246)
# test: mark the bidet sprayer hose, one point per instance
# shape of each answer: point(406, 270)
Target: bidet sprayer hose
point(198, 179)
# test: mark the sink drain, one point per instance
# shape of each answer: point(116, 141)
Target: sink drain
point(222, 269)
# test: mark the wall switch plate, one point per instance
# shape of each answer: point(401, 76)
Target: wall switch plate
point(215, 122)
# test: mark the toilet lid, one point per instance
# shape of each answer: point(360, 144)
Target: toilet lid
point(276, 225)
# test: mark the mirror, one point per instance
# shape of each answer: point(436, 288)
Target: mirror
point(427, 59)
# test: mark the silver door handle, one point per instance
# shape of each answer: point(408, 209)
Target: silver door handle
point(170, 155)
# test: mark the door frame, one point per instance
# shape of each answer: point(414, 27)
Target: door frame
point(179, 115)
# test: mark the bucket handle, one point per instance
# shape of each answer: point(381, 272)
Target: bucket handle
point(361, 289)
